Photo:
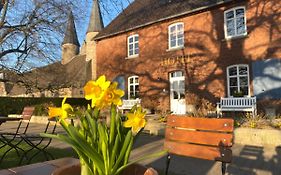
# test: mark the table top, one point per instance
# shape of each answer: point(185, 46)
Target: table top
point(10, 118)
point(5, 119)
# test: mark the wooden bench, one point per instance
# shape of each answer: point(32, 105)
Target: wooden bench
point(204, 138)
point(244, 104)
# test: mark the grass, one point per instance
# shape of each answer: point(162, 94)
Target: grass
point(12, 158)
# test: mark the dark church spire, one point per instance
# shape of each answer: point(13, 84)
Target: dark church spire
point(70, 33)
point(96, 23)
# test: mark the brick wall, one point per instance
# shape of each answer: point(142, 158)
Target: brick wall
point(205, 56)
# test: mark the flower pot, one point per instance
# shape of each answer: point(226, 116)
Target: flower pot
point(75, 169)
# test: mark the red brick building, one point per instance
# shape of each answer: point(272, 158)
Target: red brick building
point(172, 53)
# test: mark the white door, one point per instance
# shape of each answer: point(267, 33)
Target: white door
point(177, 93)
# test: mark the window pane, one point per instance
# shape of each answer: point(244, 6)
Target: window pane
point(130, 46)
point(240, 12)
point(180, 42)
point(173, 29)
point(233, 81)
point(180, 27)
point(131, 80)
point(229, 15)
point(242, 70)
point(130, 39)
point(137, 45)
point(175, 85)
point(131, 88)
point(137, 88)
point(179, 74)
point(233, 90)
point(173, 43)
point(240, 25)
point(182, 95)
point(245, 90)
point(136, 51)
point(175, 95)
point(136, 38)
point(181, 85)
point(230, 27)
point(136, 80)
point(131, 52)
point(243, 81)
point(232, 71)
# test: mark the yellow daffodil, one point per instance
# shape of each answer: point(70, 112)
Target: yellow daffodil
point(135, 120)
point(61, 112)
point(111, 95)
point(94, 90)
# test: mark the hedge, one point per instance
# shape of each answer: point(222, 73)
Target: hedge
point(15, 105)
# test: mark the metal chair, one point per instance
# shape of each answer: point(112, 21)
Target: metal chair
point(38, 143)
point(13, 139)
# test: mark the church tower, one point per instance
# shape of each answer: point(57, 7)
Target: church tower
point(95, 26)
point(70, 44)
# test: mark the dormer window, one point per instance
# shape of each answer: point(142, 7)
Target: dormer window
point(176, 36)
point(235, 22)
point(133, 46)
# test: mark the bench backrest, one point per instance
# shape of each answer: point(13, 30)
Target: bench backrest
point(128, 104)
point(238, 102)
point(205, 138)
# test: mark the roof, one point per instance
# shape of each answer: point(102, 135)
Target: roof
point(145, 12)
point(70, 33)
point(53, 76)
point(96, 23)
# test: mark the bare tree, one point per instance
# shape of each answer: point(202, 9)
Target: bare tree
point(31, 31)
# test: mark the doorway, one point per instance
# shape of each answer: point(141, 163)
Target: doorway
point(177, 92)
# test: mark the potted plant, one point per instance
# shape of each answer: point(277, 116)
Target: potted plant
point(238, 94)
point(102, 149)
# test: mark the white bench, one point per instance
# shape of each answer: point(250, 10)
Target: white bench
point(244, 104)
point(128, 104)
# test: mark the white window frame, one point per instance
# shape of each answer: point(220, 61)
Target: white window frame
point(134, 43)
point(134, 84)
point(177, 46)
point(237, 76)
point(235, 22)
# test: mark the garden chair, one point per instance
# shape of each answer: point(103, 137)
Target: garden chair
point(38, 143)
point(203, 138)
point(13, 139)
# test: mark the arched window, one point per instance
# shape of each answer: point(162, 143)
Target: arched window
point(176, 35)
point(133, 87)
point(238, 80)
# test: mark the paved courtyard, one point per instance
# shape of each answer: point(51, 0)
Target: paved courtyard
point(247, 159)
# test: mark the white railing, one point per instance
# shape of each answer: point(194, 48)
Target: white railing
point(247, 104)
point(128, 104)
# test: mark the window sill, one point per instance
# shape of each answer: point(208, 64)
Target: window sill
point(132, 57)
point(175, 48)
point(235, 37)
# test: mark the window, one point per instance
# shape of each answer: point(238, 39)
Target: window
point(133, 87)
point(235, 22)
point(176, 36)
point(238, 80)
point(133, 45)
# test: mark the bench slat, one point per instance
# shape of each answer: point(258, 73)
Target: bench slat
point(224, 125)
point(199, 151)
point(199, 137)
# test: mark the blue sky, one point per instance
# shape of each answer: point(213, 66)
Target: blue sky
point(113, 8)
